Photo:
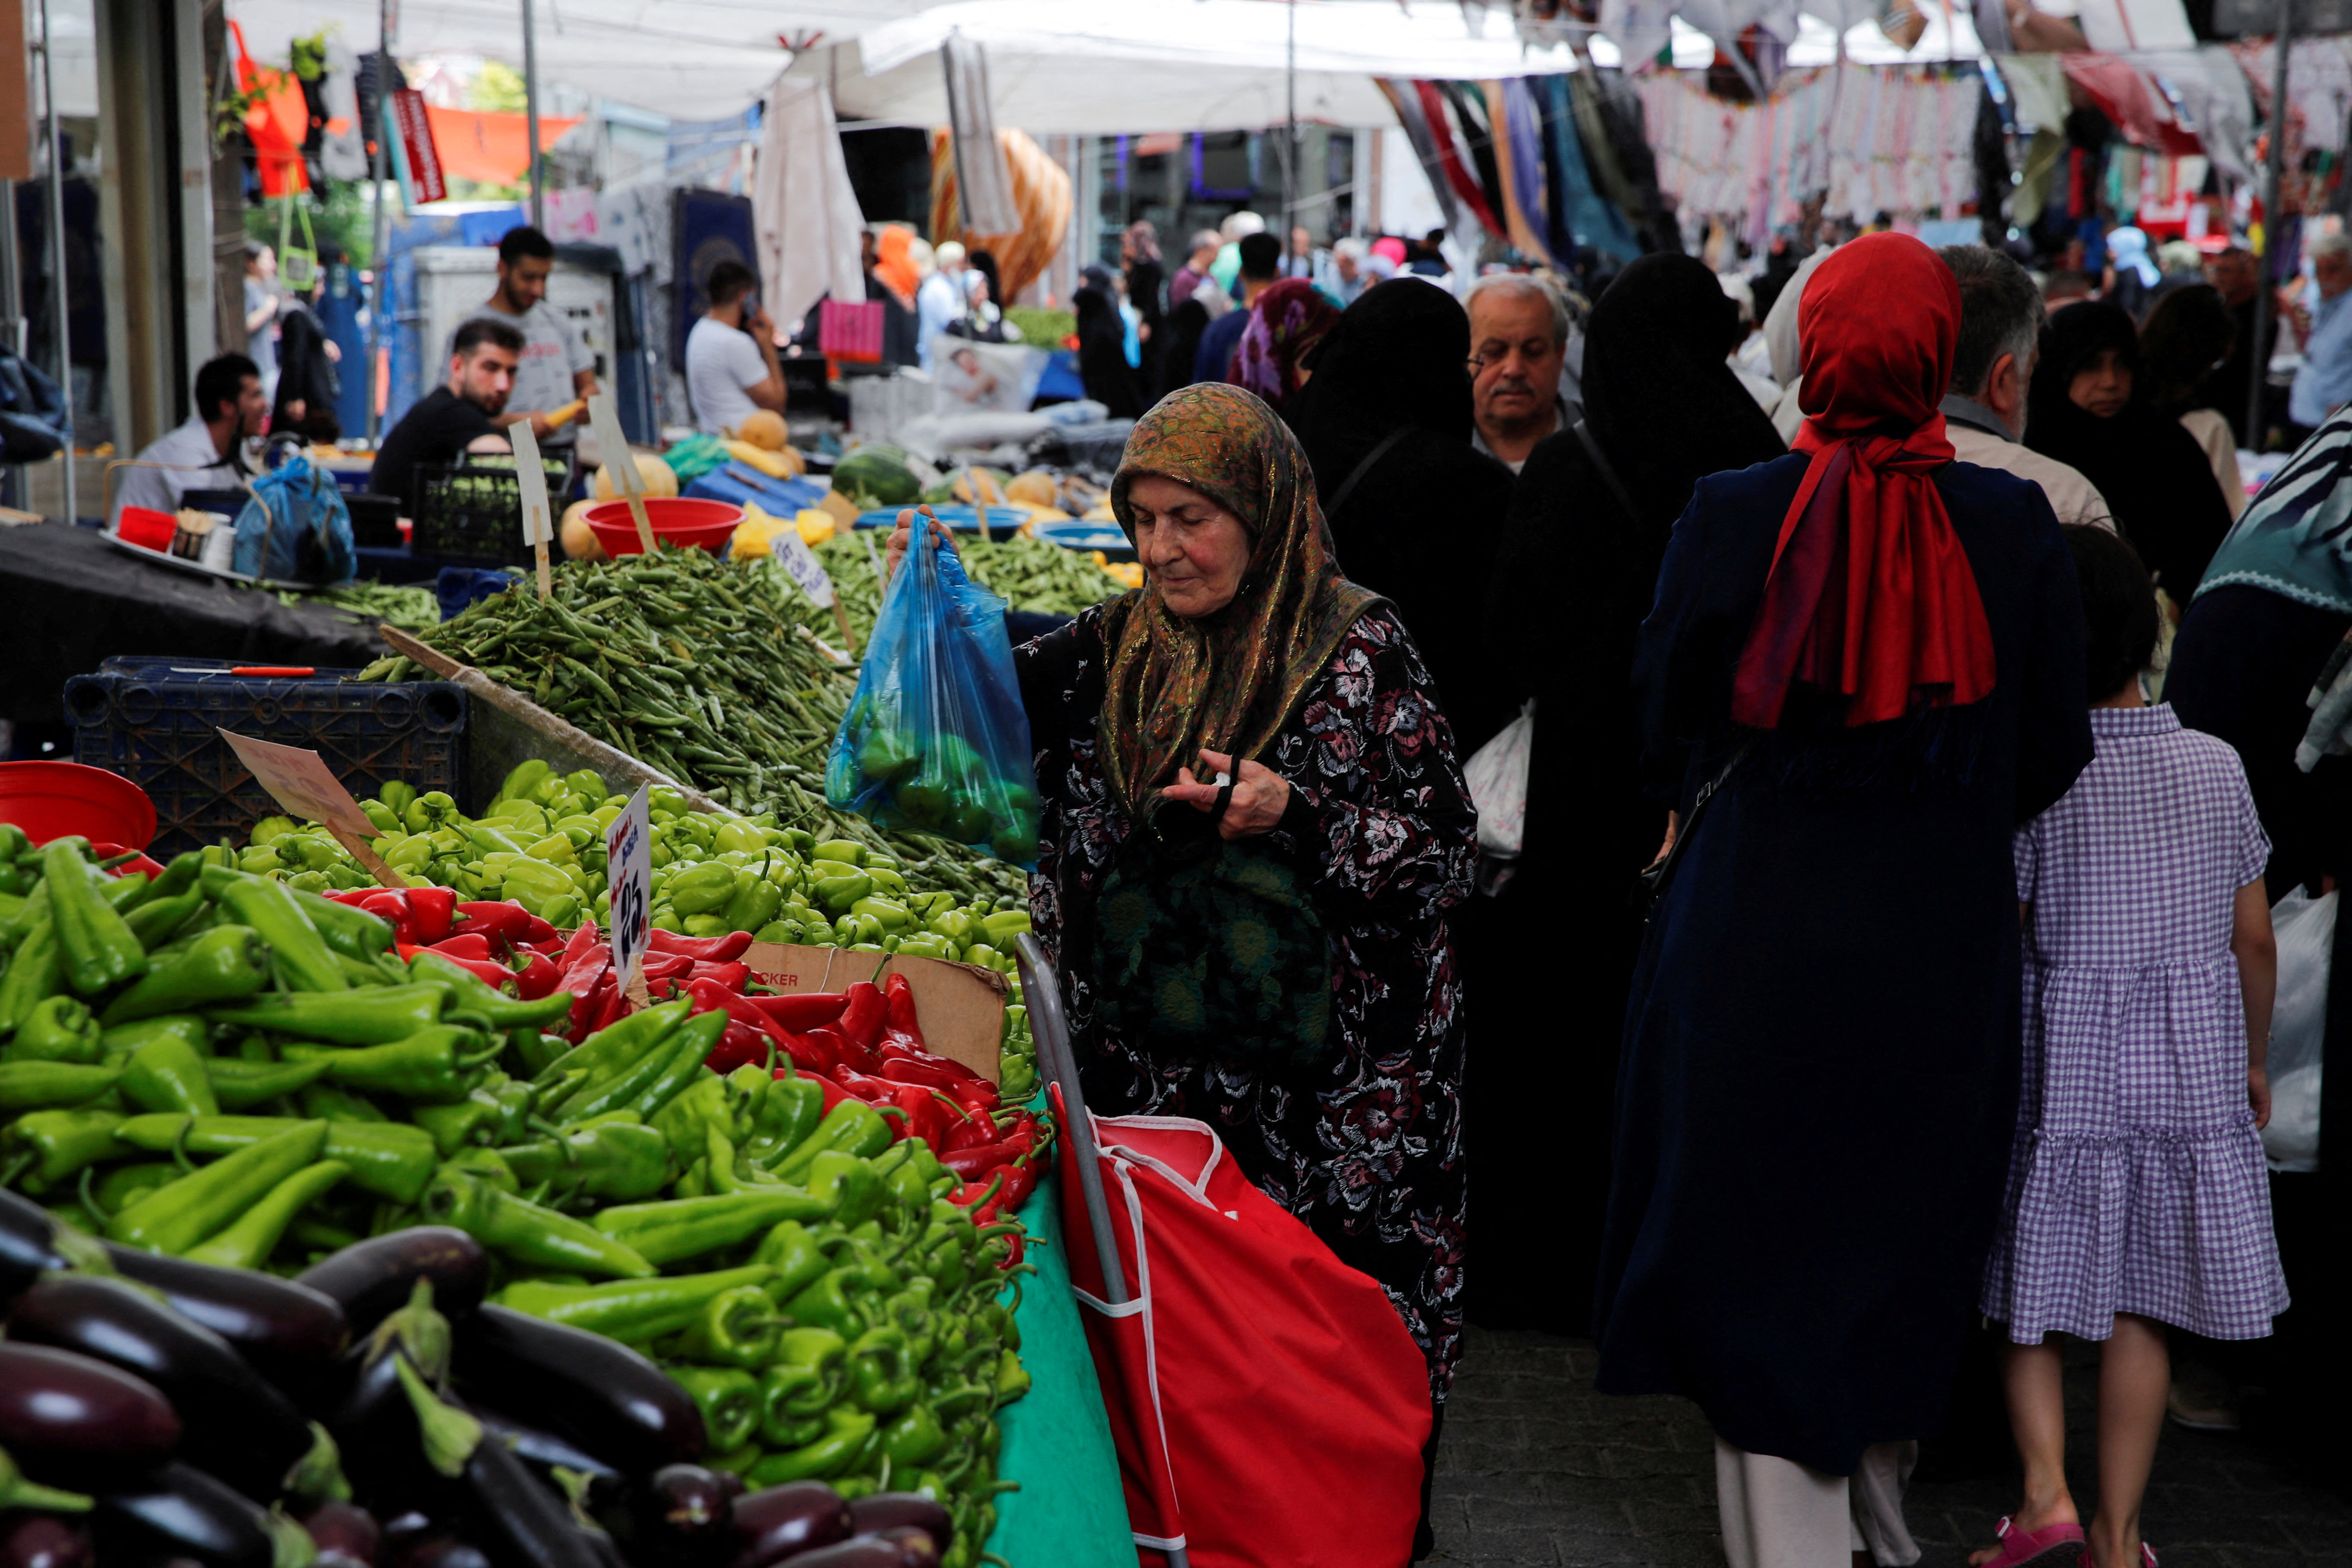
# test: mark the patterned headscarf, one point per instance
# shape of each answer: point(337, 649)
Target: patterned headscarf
point(1288, 318)
point(1226, 681)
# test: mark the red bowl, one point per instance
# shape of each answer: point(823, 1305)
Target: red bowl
point(677, 520)
point(50, 800)
point(148, 529)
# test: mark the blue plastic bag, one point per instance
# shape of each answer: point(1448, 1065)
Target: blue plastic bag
point(295, 527)
point(935, 741)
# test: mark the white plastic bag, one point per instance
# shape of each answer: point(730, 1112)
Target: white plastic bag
point(2306, 929)
point(1497, 776)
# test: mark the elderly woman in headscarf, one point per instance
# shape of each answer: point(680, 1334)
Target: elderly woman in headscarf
point(1386, 422)
point(2088, 408)
point(1288, 318)
point(1863, 671)
point(1593, 508)
point(1252, 707)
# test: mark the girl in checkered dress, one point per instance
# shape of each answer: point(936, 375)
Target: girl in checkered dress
point(2137, 1196)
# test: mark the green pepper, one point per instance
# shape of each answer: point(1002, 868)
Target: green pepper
point(727, 1398)
point(525, 1232)
point(701, 1103)
point(470, 993)
point(96, 948)
point(253, 1235)
point(1004, 925)
point(58, 1029)
point(473, 1120)
point(13, 842)
point(754, 904)
point(297, 950)
point(240, 1084)
point(32, 975)
point(851, 1126)
point(734, 1328)
point(611, 1160)
point(849, 1184)
point(846, 1434)
point(176, 1217)
point(27, 1086)
point(411, 855)
point(688, 1049)
point(46, 1147)
point(631, 1310)
point(914, 1437)
point(838, 1299)
point(120, 1042)
point(648, 1083)
point(167, 1075)
point(795, 1256)
point(428, 811)
point(325, 1102)
point(435, 1063)
point(154, 921)
point(126, 1185)
point(667, 1231)
point(892, 915)
point(371, 1017)
point(910, 1313)
point(487, 1166)
point(787, 1115)
point(381, 817)
point(807, 1376)
point(270, 829)
point(616, 1046)
point(838, 894)
point(389, 1159)
point(1012, 1378)
point(225, 965)
point(704, 889)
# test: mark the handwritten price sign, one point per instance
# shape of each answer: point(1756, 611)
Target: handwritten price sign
point(629, 875)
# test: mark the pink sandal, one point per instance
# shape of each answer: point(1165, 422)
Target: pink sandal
point(2056, 1546)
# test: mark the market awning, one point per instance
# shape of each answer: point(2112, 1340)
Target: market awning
point(489, 147)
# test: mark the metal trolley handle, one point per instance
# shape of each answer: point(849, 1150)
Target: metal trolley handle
point(1051, 1027)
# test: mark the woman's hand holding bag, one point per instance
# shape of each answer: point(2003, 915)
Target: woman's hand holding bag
point(1249, 803)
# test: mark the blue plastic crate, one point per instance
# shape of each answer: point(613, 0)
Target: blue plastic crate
point(157, 722)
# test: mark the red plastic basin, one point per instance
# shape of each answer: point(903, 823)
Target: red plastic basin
point(49, 800)
point(150, 528)
point(677, 520)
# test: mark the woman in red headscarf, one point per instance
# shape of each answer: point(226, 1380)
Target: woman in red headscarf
point(1863, 671)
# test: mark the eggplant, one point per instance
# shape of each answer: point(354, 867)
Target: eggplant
point(916, 1547)
point(343, 1533)
point(64, 1411)
point(866, 1551)
point(892, 1511)
point(240, 1427)
point(373, 1278)
point(28, 1244)
point(375, 1427)
point(514, 1509)
point(683, 1508)
point(545, 1450)
point(581, 1387)
point(441, 1552)
point(776, 1524)
point(291, 1334)
point(177, 1511)
point(43, 1541)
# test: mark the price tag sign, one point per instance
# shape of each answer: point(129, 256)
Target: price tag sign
point(800, 564)
point(604, 419)
point(301, 781)
point(533, 479)
point(629, 875)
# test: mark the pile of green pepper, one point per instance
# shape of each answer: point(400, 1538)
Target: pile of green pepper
point(219, 1065)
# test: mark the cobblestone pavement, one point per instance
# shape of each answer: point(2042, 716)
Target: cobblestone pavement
point(1534, 1467)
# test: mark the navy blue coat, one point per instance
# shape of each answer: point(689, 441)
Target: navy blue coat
point(1818, 1086)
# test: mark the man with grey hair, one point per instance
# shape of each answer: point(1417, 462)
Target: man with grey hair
point(1518, 349)
point(1192, 280)
point(2323, 384)
point(1984, 416)
point(1349, 278)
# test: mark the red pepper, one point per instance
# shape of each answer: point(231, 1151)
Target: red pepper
point(972, 1163)
point(829, 1044)
point(738, 1045)
point(710, 993)
point(926, 1118)
point(731, 975)
point(709, 949)
point(973, 1132)
point(834, 1093)
point(579, 944)
point(660, 967)
point(806, 1011)
point(899, 1004)
point(594, 994)
point(863, 1018)
point(503, 923)
point(472, 945)
point(488, 971)
point(538, 979)
point(872, 1090)
point(434, 910)
point(389, 906)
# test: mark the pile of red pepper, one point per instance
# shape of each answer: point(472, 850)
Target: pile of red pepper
point(863, 1043)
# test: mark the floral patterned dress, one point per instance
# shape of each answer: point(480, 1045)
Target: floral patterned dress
point(1366, 1148)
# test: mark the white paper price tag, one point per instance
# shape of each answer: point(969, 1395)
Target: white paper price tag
point(629, 875)
point(604, 419)
point(803, 567)
point(534, 476)
point(301, 781)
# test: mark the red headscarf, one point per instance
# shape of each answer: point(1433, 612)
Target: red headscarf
point(1871, 596)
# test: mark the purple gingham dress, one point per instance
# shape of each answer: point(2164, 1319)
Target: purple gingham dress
point(2138, 1184)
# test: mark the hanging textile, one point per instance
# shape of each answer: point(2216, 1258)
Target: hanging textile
point(1450, 159)
point(1580, 215)
point(277, 121)
point(1041, 202)
point(2140, 114)
point(1518, 158)
point(1467, 104)
point(990, 202)
point(1609, 171)
point(1404, 97)
point(805, 221)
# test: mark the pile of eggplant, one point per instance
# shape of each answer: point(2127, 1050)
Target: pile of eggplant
point(373, 1413)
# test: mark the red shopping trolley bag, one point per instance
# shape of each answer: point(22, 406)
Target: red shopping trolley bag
point(1268, 1405)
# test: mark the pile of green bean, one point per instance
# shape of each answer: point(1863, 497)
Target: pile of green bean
point(1027, 573)
point(403, 604)
point(698, 665)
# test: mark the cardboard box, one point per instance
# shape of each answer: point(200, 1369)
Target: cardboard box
point(962, 1006)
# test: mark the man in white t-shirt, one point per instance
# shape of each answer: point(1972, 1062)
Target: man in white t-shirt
point(557, 367)
point(730, 354)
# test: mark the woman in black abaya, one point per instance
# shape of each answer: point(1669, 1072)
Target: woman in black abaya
point(2087, 409)
point(1577, 571)
point(1416, 513)
point(1103, 369)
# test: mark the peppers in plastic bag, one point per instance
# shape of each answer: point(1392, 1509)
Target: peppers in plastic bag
point(936, 739)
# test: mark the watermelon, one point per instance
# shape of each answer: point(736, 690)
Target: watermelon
point(872, 479)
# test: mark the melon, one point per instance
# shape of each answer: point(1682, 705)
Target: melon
point(579, 539)
point(1036, 486)
point(658, 477)
point(763, 427)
